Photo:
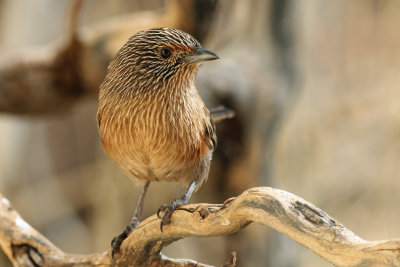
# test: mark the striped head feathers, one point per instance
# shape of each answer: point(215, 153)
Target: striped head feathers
point(151, 59)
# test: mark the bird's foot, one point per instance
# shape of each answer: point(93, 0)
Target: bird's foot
point(168, 209)
point(117, 241)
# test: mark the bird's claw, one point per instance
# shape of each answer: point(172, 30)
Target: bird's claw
point(117, 240)
point(168, 209)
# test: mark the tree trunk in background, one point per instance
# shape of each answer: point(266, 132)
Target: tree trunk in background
point(339, 146)
point(316, 89)
point(257, 78)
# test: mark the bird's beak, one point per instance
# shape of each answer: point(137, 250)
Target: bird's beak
point(200, 55)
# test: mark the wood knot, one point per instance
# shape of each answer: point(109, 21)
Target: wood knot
point(204, 213)
point(27, 254)
point(232, 260)
point(313, 215)
point(227, 202)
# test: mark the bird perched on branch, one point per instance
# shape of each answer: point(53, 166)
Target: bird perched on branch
point(151, 119)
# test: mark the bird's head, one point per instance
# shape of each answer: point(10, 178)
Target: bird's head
point(156, 56)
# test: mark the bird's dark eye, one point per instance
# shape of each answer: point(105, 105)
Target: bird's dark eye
point(165, 52)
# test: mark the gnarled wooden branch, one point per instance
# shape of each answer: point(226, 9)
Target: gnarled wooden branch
point(50, 78)
point(285, 212)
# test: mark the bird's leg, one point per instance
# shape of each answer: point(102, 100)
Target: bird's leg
point(117, 241)
point(168, 209)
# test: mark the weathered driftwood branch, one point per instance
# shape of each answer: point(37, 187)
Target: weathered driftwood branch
point(285, 212)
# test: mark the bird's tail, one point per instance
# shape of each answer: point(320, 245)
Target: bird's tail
point(221, 113)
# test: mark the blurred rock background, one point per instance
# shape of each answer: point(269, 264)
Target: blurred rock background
point(316, 88)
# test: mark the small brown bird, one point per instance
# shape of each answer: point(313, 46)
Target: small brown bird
point(151, 119)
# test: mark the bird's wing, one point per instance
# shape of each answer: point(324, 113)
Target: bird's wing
point(210, 134)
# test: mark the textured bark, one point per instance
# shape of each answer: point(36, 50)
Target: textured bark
point(280, 210)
